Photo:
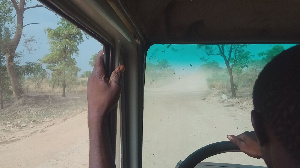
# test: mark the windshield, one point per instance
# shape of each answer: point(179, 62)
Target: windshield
point(196, 95)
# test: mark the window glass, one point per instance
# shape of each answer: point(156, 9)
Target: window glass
point(196, 95)
point(43, 112)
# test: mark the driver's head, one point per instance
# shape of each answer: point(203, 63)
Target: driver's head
point(276, 100)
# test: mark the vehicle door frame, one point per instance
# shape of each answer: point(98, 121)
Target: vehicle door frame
point(126, 120)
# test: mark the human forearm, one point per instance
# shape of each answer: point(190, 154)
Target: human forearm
point(102, 95)
point(100, 155)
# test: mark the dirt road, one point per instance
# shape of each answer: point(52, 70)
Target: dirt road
point(176, 123)
point(61, 145)
point(179, 119)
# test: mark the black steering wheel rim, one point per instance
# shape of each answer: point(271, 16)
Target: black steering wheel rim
point(207, 151)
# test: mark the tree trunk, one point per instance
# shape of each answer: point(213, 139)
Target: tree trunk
point(11, 50)
point(15, 82)
point(232, 86)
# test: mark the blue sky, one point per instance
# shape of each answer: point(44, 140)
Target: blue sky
point(178, 55)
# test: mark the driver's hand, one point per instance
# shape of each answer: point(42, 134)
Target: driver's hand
point(248, 143)
point(102, 93)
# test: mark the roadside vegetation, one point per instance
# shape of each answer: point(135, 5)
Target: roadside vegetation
point(37, 94)
point(240, 75)
point(229, 68)
point(56, 73)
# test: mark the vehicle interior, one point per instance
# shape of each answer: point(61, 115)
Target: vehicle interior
point(128, 28)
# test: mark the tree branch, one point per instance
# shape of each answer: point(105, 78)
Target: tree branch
point(30, 24)
point(230, 52)
point(15, 5)
point(221, 49)
point(235, 60)
point(22, 5)
point(212, 54)
point(36, 6)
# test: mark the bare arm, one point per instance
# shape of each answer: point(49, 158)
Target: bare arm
point(102, 95)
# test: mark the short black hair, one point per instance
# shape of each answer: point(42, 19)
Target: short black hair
point(276, 95)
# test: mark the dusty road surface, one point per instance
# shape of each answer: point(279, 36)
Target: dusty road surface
point(183, 116)
point(180, 116)
point(45, 131)
point(62, 145)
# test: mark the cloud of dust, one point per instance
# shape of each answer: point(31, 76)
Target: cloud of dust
point(189, 81)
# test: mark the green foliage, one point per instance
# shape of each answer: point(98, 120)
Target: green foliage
point(34, 72)
point(218, 80)
point(33, 69)
point(93, 59)
point(235, 58)
point(64, 41)
point(86, 74)
point(8, 24)
point(156, 72)
point(243, 60)
point(5, 90)
point(234, 55)
point(244, 79)
point(6, 18)
point(211, 66)
point(215, 75)
point(6, 8)
point(71, 76)
point(270, 54)
point(157, 68)
point(162, 64)
point(11, 31)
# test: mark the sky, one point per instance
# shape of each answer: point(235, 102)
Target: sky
point(186, 56)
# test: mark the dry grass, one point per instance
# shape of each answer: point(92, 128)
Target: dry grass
point(46, 87)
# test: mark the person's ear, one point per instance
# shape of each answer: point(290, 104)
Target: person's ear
point(258, 124)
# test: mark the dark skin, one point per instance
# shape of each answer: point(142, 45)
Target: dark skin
point(103, 94)
point(263, 144)
point(248, 143)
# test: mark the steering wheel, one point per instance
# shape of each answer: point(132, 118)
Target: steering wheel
point(207, 151)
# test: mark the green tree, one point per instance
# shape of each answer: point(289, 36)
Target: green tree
point(5, 19)
point(248, 76)
point(235, 58)
point(86, 74)
point(92, 60)
point(158, 71)
point(159, 66)
point(34, 72)
point(64, 41)
point(13, 34)
point(5, 91)
point(215, 75)
point(211, 66)
point(268, 55)
point(162, 64)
